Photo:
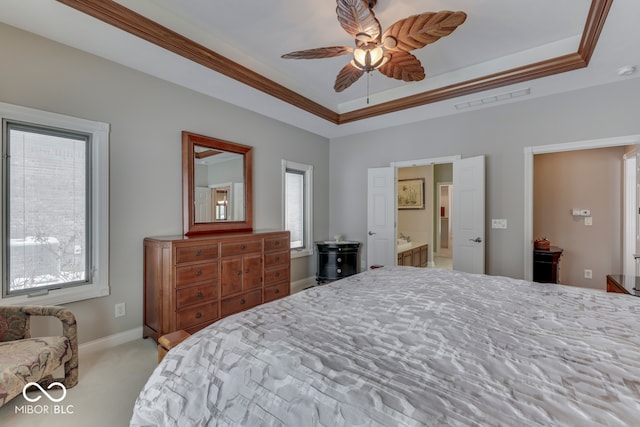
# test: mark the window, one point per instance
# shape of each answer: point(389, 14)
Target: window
point(297, 189)
point(54, 207)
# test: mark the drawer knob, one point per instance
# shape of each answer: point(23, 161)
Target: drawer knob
point(339, 270)
point(199, 252)
point(277, 242)
point(199, 294)
point(198, 272)
point(243, 301)
point(278, 258)
point(247, 271)
point(239, 272)
point(277, 274)
point(277, 291)
point(243, 247)
point(339, 260)
point(198, 315)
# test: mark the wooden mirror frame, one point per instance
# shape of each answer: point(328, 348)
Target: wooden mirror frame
point(191, 227)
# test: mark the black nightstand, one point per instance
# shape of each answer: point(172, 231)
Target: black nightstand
point(546, 265)
point(337, 260)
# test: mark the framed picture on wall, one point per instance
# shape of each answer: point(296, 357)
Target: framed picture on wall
point(411, 193)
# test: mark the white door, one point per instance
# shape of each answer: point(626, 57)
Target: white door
point(381, 216)
point(468, 215)
point(630, 214)
point(202, 202)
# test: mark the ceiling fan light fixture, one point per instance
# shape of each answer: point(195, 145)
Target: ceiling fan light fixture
point(388, 51)
point(369, 57)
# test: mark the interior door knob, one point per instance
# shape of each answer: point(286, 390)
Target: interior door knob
point(477, 240)
point(371, 233)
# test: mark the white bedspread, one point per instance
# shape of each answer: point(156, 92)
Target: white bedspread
point(406, 346)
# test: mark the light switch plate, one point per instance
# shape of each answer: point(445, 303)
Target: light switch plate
point(498, 223)
point(588, 220)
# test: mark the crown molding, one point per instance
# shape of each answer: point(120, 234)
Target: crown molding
point(127, 20)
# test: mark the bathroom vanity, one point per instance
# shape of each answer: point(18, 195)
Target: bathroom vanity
point(416, 255)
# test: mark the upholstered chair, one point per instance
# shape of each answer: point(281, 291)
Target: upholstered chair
point(24, 359)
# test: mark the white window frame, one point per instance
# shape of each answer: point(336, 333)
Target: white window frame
point(307, 170)
point(99, 285)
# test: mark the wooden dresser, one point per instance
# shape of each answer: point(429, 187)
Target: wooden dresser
point(623, 284)
point(190, 282)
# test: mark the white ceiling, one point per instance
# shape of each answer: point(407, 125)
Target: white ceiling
point(497, 35)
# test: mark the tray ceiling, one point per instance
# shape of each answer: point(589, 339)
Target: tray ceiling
point(501, 45)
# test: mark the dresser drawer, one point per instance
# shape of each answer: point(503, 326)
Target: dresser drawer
point(197, 314)
point(276, 258)
point(274, 275)
point(196, 295)
point(276, 244)
point(277, 291)
point(196, 253)
point(197, 273)
point(239, 248)
point(241, 302)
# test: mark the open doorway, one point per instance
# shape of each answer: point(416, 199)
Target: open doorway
point(431, 222)
point(579, 208)
point(467, 213)
point(415, 215)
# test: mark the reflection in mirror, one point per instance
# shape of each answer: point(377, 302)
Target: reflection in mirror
point(216, 185)
point(219, 185)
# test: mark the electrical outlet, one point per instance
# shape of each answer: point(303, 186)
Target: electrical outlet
point(588, 274)
point(120, 310)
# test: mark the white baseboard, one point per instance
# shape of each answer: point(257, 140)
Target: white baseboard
point(110, 341)
point(299, 285)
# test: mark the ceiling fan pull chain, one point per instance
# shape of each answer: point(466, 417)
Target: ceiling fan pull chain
point(368, 74)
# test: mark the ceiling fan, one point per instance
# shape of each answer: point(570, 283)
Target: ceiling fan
point(387, 52)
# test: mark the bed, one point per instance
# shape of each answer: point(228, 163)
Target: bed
point(404, 346)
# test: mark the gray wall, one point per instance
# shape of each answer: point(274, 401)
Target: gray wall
point(147, 116)
point(500, 133)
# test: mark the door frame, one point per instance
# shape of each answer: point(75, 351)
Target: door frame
point(529, 153)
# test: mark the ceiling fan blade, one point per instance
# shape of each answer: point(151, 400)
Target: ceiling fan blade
point(346, 77)
point(357, 19)
point(319, 52)
point(418, 31)
point(403, 66)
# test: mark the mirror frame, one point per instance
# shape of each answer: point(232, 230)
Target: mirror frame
point(189, 140)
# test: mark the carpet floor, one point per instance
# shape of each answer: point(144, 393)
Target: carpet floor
point(109, 383)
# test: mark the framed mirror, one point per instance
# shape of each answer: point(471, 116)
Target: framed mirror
point(216, 185)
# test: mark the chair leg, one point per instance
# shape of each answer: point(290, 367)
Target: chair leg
point(71, 372)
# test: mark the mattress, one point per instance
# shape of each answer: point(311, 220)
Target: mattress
point(404, 346)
